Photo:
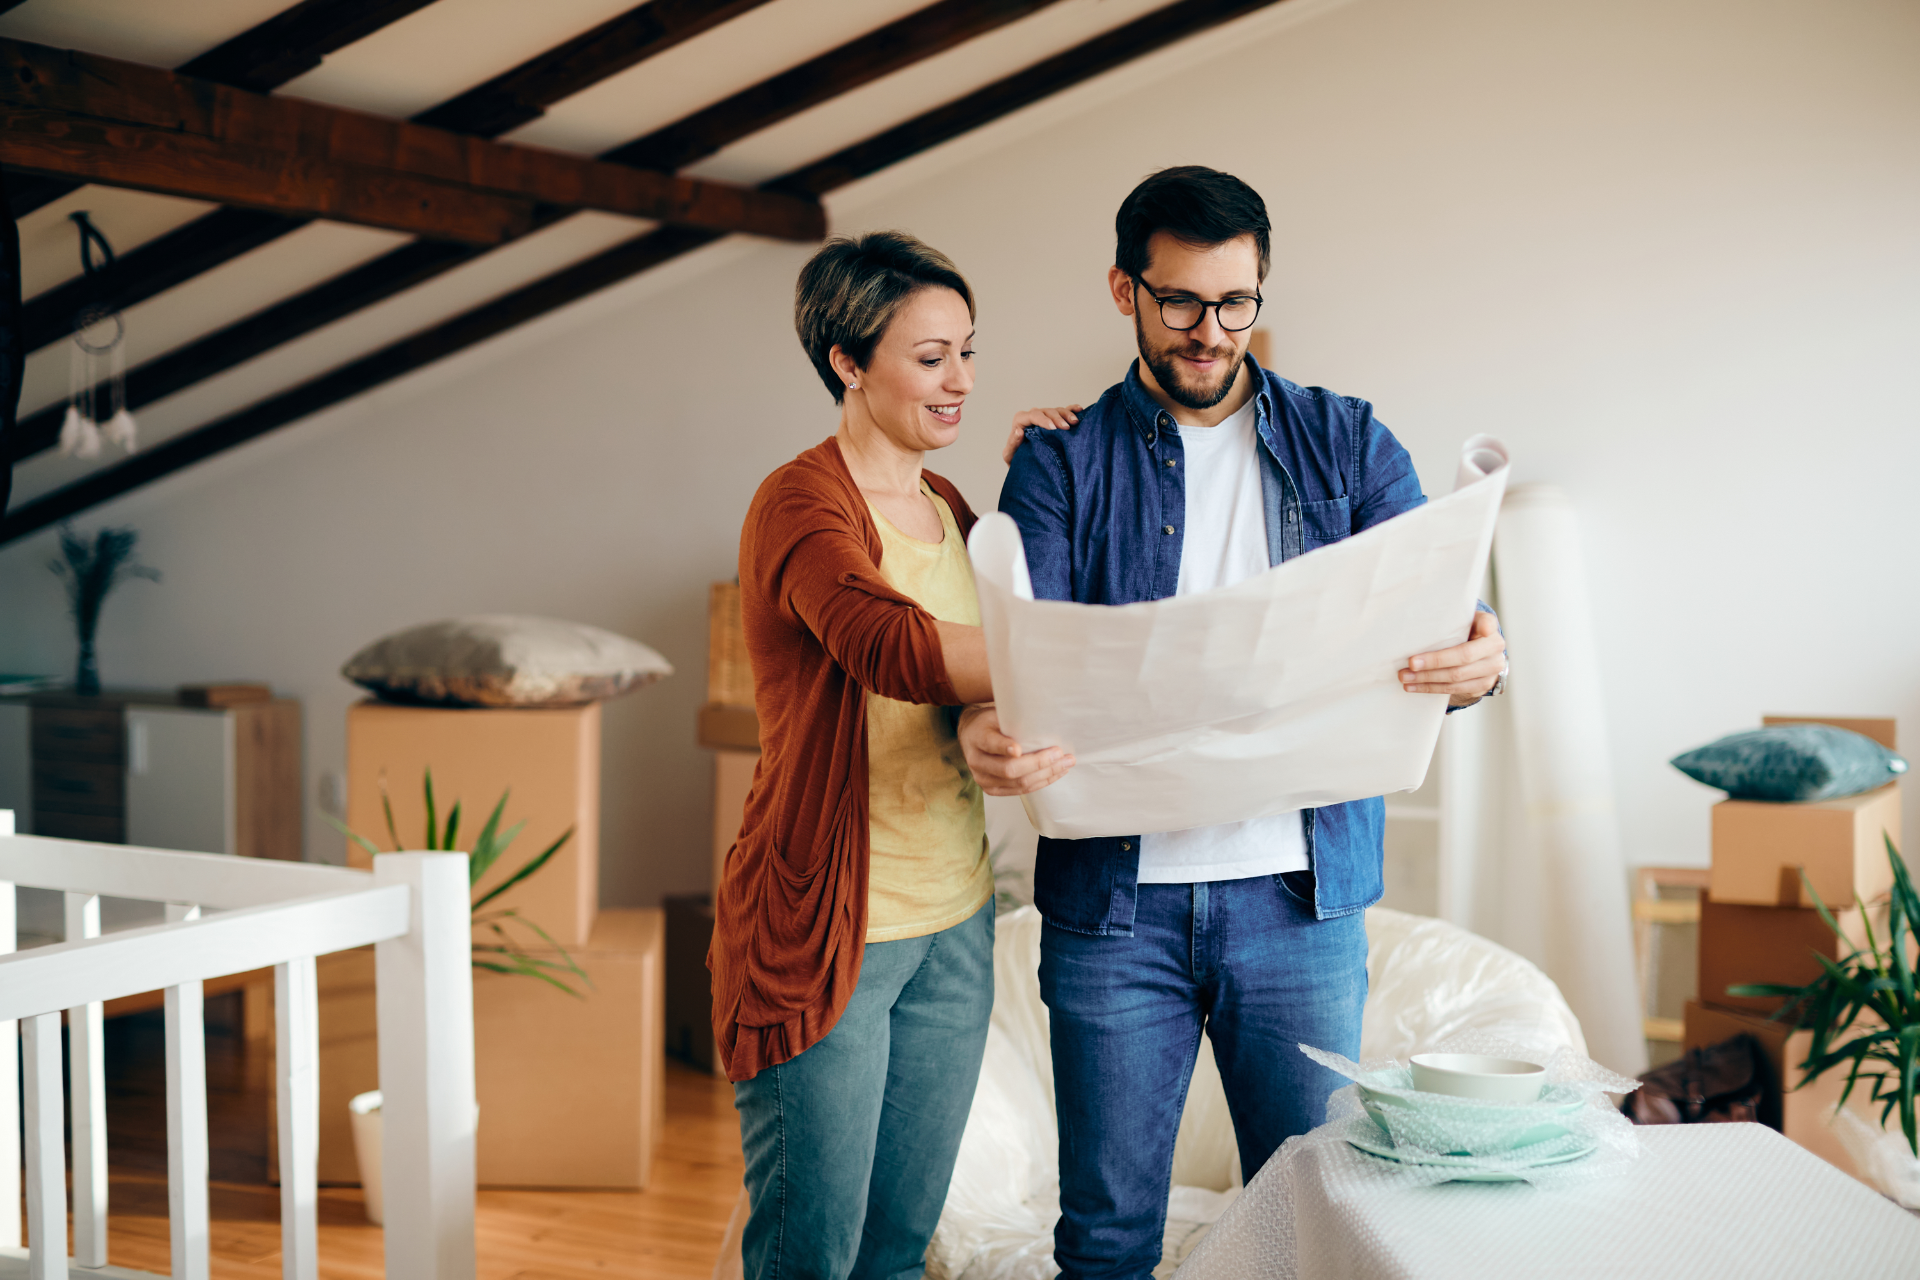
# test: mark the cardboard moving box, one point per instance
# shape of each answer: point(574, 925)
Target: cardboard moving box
point(571, 1090)
point(1741, 943)
point(548, 758)
point(1759, 847)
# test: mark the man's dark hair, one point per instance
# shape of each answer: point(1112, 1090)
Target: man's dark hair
point(1192, 203)
point(850, 291)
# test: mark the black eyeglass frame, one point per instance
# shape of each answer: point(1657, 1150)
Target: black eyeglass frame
point(1258, 302)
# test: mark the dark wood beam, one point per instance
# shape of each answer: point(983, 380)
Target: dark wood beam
point(280, 46)
point(118, 122)
point(1144, 35)
point(225, 234)
point(292, 43)
point(515, 97)
point(253, 335)
point(349, 380)
point(882, 51)
point(140, 275)
point(200, 168)
point(160, 263)
point(1023, 88)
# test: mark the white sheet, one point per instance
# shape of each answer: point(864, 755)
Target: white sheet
point(1276, 693)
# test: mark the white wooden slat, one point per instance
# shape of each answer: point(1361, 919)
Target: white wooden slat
point(46, 1155)
point(87, 1102)
point(296, 1015)
point(424, 984)
point(137, 960)
point(9, 1075)
point(167, 875)
point(187, 1208)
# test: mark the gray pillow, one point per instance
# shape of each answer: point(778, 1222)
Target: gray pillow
point(500, 660)
point(1792, 762)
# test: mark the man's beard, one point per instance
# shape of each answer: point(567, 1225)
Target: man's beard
point(1167, 373)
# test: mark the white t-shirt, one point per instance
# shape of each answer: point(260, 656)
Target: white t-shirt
point(1225, 542)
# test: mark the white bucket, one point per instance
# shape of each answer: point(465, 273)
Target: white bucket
point(365, 1109)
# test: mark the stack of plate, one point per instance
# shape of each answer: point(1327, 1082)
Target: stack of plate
point(1487, 1119)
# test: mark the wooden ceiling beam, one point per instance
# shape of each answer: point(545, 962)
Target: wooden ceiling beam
point(226, 234)
point(1144, 35)
point(880, 52)
point(141, 274)
point(523, 94)
point(121, 123)
point(160, 263)
point(283, 45)
point(292, 43)
point(148, 270)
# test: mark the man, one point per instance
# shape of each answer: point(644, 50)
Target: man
point(1199, 470)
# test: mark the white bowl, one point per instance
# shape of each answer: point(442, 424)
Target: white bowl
point(1470, 1075)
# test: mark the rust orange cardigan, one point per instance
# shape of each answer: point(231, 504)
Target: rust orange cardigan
point(822, 627)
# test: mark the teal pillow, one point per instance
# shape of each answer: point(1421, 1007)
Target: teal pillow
point(1792, 762)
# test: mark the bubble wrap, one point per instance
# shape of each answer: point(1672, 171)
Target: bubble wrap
point(1703, 1200)
point(1458, 1136)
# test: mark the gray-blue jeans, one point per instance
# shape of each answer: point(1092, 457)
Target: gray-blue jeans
point(850, 1146)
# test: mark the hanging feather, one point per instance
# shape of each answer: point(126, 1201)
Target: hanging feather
point(96, 397)
point(79, 438)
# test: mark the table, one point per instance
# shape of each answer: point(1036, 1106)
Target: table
point(1733, 1200)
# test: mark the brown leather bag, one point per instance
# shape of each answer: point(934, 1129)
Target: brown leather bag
point(1729, 1081)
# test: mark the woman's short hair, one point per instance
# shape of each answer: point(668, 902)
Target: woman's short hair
point(1193, 204)
point(850, 291)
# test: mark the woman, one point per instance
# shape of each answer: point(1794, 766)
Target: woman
point(853, 944)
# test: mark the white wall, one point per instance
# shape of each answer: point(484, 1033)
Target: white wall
point(1667, 250)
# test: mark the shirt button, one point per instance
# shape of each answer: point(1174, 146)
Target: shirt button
point(1290, 514)
point(1169, 461)
point(1166, 528)
point(1126, 846)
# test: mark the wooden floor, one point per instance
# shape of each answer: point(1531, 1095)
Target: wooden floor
point(672, 1231)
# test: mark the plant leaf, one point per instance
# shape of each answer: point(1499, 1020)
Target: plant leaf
point(453, 827)
point(527, 870)
point(548, 939)
point(484, 850)
point(432, 823)
point(386, 804)
point(351, 834)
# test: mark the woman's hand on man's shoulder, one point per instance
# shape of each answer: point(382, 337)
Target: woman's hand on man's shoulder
point(1052, 419)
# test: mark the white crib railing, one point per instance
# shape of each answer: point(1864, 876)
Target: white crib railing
point(413, 906)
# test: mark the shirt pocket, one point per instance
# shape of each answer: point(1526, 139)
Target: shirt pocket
point(1324, 522)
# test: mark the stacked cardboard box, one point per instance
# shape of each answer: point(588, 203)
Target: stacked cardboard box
point(1757, 923)
point(571, 1089)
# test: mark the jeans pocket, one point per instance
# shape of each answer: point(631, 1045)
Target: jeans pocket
point(1297, 885)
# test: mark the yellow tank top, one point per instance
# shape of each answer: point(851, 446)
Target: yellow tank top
point(926, 818)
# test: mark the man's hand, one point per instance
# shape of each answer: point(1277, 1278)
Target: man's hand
point(1465, 672)
point(1052, 419)
point(998, 764)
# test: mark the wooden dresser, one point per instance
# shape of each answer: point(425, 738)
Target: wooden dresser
point(145, 768)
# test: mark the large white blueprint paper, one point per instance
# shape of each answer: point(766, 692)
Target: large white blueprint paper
point(1277, 693)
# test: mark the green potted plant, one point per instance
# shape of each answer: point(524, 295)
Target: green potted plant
point(91, 570)
point(505, 953)
point(1864, 1013)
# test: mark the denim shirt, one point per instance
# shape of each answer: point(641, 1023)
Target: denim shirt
point(1102, 510)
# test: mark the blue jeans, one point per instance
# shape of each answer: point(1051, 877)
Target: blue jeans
point(850, 1146)
point(1246, 961)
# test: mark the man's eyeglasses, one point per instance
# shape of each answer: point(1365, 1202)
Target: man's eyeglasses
point(1182, 311)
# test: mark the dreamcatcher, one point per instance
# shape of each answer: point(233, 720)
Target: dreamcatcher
point(96, 365)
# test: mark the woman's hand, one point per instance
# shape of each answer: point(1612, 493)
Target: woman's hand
point(1052, 419)
point(1466, 671)
point(999, 765)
